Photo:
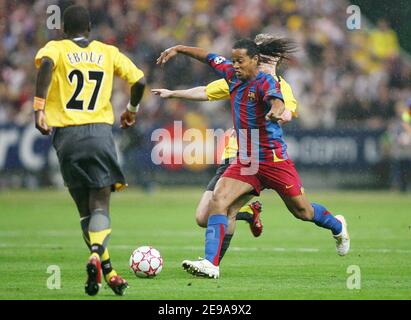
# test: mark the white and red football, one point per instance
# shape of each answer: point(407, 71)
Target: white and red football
point(146, 262)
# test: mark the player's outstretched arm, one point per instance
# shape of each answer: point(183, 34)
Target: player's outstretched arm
point(196, 93)
point(128, 117)
point(276, 111)
point(42, 85)
point(199, 54)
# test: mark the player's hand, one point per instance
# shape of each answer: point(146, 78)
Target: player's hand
point(127, 119)
point(271, 116)
point(41, 125)
point(167, 55)
point(285, 117)
point(276, 111)
point(163, 93)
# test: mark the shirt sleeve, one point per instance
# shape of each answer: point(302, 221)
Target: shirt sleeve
point(289, 100)
point(218, 90)
point(271, 89)
point(126, 69)
point(223, 67)
point(50, 50)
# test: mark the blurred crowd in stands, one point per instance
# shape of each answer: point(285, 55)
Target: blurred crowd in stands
point(340, 77)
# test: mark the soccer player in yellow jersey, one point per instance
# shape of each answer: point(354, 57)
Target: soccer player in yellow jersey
point(219, 90)
point(72, 101)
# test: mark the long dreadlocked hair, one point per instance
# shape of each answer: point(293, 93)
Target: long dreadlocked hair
point(272, 48)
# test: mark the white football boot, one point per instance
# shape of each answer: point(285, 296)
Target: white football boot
point(342, 239)
point(201, 268)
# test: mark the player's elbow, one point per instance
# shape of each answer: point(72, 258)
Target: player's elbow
point(46, 64)
point(138, 87)
point(140, 83)
point(137, 91)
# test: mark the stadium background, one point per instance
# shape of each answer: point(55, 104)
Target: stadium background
point(352, 85)
point(349, 85)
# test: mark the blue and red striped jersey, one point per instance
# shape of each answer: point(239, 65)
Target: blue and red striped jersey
point(256, 136)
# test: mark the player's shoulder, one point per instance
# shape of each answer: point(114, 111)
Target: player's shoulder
point(105, 46)
point(268, 84)
point(54, 44)
point(98, 43)
point(285, 87)
point(264, 79)
point(282, 81)
point(269, 77)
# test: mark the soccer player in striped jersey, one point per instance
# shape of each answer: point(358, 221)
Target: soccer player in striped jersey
point(219, 90)
point(73, 92)
point(263, 163)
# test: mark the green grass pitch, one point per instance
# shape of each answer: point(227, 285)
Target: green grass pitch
point(291, 260)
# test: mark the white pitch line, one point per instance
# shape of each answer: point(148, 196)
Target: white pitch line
point(199, 248)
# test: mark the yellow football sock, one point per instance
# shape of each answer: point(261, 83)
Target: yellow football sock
point(109, 275)
point(106, 265)
point(247, 209)
point(95, 254)
point(105, 256)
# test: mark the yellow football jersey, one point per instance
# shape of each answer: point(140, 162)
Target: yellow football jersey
point(219, 90)
point(82, 81)
point(231, 147)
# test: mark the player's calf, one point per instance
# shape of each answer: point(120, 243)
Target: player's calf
point(302, 211)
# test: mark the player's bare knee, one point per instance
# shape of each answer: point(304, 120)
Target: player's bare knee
point(201, 220)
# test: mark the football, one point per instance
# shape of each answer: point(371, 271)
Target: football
point(146, 262)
